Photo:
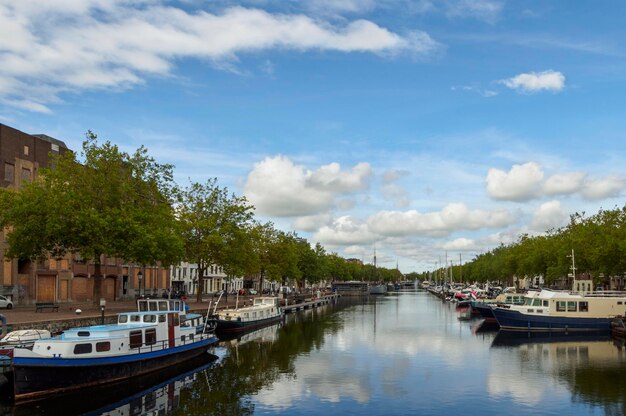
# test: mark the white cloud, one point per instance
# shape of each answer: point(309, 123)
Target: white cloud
point(526, 182)
point(536, 81)
point(548, 215)
point(346, 230)
point(71, 46)
point(394, 192)
point(453, 217)
point(460, 244)
point(487, 10)
point(565, 183)
point(521, 183)
point(611, 186)
point(278, 187)
point(311, 222)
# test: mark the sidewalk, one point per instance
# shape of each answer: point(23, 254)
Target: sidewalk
point(26, 313)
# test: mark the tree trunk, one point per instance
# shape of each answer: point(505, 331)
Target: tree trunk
point(200, 291)
point(97, 281)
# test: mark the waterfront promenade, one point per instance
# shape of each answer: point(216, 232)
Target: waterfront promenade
point(24, 314)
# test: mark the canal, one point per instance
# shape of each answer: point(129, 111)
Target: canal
point(399, 354)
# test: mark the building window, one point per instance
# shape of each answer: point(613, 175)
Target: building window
point(9, 172)
point(26, 150)
point(25, 175)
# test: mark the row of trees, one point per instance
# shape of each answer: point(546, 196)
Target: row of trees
point(128, 206)
point(598, 242)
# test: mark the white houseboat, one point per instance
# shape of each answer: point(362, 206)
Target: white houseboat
point(263, 311)
point(562, 311)
point(139, 343)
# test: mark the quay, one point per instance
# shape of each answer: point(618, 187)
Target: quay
point(65, 317)
point(311, 303)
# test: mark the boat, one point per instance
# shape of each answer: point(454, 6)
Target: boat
point(263, 311)
point(378, 289)
point(563, 311)
point(22, 338)
point(193, 319)
point(139, 343)
point(485, 307)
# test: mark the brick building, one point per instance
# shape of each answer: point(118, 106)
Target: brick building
point(69, 279)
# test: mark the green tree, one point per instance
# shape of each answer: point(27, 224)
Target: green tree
point(112, 204)
point(215, 228)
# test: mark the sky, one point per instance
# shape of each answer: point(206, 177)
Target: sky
point(418, 130)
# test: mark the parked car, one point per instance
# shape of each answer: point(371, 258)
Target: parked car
point(5, 302)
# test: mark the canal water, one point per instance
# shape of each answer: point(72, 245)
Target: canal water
point(405, 353)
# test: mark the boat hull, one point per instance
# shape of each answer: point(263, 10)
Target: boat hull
point(234, 326)
point(486, 311)
point(38, 378)
point(515, 320)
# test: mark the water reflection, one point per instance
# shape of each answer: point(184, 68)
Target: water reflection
point(589, 366)
point(392, 355)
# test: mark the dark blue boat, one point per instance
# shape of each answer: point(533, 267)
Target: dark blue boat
point(515, 320)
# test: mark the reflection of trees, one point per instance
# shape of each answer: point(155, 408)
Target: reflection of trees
point(248, 367)
point(601, 386)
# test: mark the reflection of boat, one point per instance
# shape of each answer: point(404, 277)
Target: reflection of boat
point(264, 311)
point(266, 334)
point(23, 338)
point(154, 393)
point(562, 311)
point(512, 338)
point(139, 343)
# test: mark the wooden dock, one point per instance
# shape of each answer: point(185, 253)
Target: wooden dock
point(311, 303)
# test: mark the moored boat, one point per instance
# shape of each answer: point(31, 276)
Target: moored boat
point(380, 289)
point(138, 343)
point(22, 338)
point(563, 311)
point(263, 311)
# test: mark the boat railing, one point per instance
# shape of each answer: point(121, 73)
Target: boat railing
point(602, 293)
point(164, 343)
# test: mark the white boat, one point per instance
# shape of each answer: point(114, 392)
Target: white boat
point(23, 338)
point(263, 311)
point(550, 310)
point(378, 289)
point(139, 343)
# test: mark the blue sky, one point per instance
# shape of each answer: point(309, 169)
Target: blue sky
point(413, 128)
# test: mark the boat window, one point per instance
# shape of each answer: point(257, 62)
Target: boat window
point(150, 336)
point(619, 302)
point(149, 318)
point(545, 303)
point(135, 318)
point(123, 319)
point(136, 339)
point(154, 306)
point(103, 346)
point(162, 318)
point(82, 348)
point(182, 339)
point(531, 310)
point(560, 306)
point(163, 306)
point(539, 310)
point(537, 302)
point(176, 319)
point(583, 306)
point(83, 333)
point(143, 306)
point(190, 337)
point(571, 306)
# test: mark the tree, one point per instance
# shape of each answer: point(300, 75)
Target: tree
point(113, 204)
point(215, 228)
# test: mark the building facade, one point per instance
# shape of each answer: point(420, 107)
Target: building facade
point(185, 278)
point(68, 279)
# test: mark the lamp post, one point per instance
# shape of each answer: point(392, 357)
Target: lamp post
point(103, 304)
point(140, 277)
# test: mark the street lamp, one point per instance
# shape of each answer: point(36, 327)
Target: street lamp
point(140, 277)
point(103, 304)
